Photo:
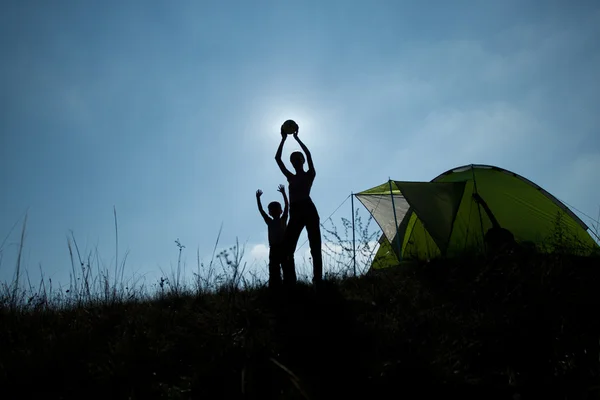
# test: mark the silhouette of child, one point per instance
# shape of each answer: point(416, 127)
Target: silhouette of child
point(276, 224)
point(303, 212)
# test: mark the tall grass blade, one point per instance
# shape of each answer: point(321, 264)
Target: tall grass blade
point(18, 268)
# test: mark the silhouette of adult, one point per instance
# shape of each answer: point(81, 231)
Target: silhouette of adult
point(303, 212)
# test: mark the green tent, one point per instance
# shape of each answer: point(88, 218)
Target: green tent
point(423, 220)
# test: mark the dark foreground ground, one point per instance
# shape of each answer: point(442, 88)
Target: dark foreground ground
point(513, 328)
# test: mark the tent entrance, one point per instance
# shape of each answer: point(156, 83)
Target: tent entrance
point(434, 203)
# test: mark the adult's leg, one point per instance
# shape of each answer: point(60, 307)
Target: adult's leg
point(313, 229)
point(290, 241)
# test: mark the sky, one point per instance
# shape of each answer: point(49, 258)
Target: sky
point(170, 112)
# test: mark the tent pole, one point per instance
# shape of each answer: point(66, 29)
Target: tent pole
point(478, 208)
point(353, 235)
point(395, 220)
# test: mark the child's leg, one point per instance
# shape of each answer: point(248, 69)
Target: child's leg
point(292, 234)
point(313, 229)
point(274, 263)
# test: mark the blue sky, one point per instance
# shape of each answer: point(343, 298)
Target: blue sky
point(170, 111)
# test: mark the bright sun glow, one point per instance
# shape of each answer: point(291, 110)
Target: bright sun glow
point(274, 115)
point(302, 118)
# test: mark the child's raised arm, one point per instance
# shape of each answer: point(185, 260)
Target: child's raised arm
point(260, 208)
point(309, 160)
point(278, 155)
point(281, 189)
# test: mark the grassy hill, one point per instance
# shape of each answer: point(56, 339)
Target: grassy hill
point(507, 328)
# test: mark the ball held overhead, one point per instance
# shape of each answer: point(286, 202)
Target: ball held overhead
point(289, 127)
